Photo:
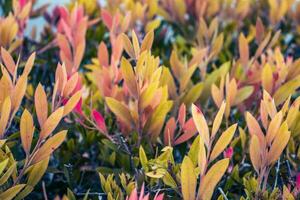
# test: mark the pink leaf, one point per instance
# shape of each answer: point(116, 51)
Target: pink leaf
point(100, 121)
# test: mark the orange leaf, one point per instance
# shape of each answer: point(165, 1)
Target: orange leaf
point(255, 154)
point(49, 146)
point(26, 130)
point(223, 141)
point(244, 49)
point(8, 61)
point(41, 104)
point(51, 123)
point(200, 124)
point(72, 102)
point(5, 113)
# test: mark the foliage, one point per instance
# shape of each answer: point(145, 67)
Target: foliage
point(150, 99)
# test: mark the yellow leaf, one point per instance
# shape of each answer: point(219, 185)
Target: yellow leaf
point(129, 77)
point(135, 43)
point(273, 127)
point(188, 179)
point(243, 94)
point(121, 111)
point(11, 192)
point(218, 119)
point(217, 95)
point(5, 113)
point(41, 104)
point(213, 78)
point(279, 143)
point(51, 123)
point(29, 64)
point(148, 94)
point(49, 146)
point(37, 171)
point(255, 155)
point(148, 41)
point(72, 102)
point(155, 122)
point(223, 141)
point(202, 159)
point(186, 77)
point(158, 173)
point(143, 158)
point(193, 94)
point(211, 179)
point(286, 90)
point(267, 78)
point(200, 124)
point(26, 130)
point(128, 46)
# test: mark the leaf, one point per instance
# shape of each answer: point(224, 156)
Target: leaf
point(11, 192)
point(41, 104)
point(135, 43)
point(255, 155)
point(19, 92)
point(37, 171)
point(129, 77)
point(5, 114)
point(3, 165)
point(213, 78)
point(72, 102)
point(211, 179)
point(103, 54)
point(70, 85)
point(273, 127)
point(169, 132)
point(7, 174)
point(243, 94)
point(189, 129)
point(193, 94)
point(128, 46)
point(155, 122)
point(218, 119)
point(26, 191)
point(202, 158)
point(223, 141)
point(51, 123)
point(188, 179)
point(148, 94)
point(243, 49)
point(26, 130)
point(267, 78)
point(260, 31)
point(286, 90)
point(254, 128)
point(100, 121)
point(29, 64)
point(279, 143)
point(143, 158)
point(49, 146)
point(200, 124)
point(121, 111)
point(8, 61)
point(148, 41)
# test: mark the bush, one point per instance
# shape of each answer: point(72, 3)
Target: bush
point(150, 99)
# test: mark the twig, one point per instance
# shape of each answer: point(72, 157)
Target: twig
point(223, 194)
point(44, 191)
point(277, 171)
